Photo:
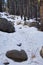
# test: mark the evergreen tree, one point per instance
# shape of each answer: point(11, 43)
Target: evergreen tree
point(0, 5)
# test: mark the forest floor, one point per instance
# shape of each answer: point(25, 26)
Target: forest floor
point(30, 37)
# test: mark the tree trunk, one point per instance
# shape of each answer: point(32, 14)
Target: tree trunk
point(0, 5)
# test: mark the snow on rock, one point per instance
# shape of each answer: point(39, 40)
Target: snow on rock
point(31, 20)
point(16, 18)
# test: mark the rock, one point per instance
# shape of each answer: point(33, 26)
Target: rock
point(0, 15)
point(6, 14)
point(41, 52)
point(6, 62)
point(34, 24)
point(11, 17)
point(19, 44)
point(26, 23)
point(18, 23)
point(20, 27)
point(6, 26)
point(18, 56)
point(41, 26)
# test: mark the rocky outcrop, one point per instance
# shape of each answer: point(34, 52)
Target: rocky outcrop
point(41, 26)
point(6, 26)
point(41, 52)
point(18, 56)
point(32, 24)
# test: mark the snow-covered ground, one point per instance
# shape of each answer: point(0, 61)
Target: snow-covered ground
point(31, 39)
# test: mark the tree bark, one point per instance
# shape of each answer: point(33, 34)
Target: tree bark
point(0, 5)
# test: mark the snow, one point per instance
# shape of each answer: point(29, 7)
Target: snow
point(31, 20)
point(31, 39)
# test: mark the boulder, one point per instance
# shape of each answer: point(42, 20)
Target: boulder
point(41, 26)
point(34, 24)
point(18, 56)
point(18, 22)
point(20, 44)
point(26, 23)
point(6, 62)
point(6, 26)
point(41, 52)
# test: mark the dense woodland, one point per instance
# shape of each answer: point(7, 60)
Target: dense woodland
point(26, 8)
point(21, 32)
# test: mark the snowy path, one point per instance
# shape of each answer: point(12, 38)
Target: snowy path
point(31, 40)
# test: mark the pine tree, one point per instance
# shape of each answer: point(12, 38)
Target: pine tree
point(0, 5)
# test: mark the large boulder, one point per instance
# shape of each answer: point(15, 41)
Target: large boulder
point(34, 24)
point(41, 52)
point(6, 26)
point(18, 56)
point(41, 26)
